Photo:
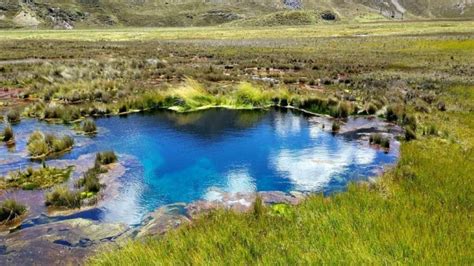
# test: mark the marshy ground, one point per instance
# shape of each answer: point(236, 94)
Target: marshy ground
point(418, 75)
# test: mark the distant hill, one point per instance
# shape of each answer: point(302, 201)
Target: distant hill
point(176, 13)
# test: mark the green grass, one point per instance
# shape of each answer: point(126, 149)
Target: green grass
point(89, 127)
point(105, 158)
point(40, 178)
point(62, 197)
point(7, 135)
point(163, 13)
point(41, 145)
point(242, 33)
point(11, 210)
point(283, 18)
point(420, 212)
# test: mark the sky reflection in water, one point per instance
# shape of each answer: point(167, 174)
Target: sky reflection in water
point(186, 157)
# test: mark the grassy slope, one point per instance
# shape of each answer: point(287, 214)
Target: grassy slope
point(197, 13)
point(420, 212)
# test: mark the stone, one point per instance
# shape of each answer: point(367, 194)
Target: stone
point(59, 243)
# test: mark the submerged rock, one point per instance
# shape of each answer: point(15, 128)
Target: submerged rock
point(162, 220)
point(241, 202)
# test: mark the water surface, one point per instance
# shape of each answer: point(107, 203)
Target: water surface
point(187, 157)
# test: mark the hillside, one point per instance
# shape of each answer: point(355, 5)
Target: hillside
point(176, 13)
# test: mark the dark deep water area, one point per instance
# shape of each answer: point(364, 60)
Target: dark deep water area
point(173, 157)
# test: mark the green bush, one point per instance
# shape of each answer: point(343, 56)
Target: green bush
point(61, 196)
point(336, 126)
point(343, 110)
point(410, 134)
point(394, 113)
point(40, 144)
point(379, 139)
point(106, 157)
point(35, 136)
point(11, 210)
point(371, 109)
point(38, 148)
point(258, 207)
point(53, 112)
point(90, 181)
point(249, 95)
point(13, 116)
point(44, 177)
point(431, 130)
point(313, 104)
point(8, 133)
point(123, 108)
point(70, 114)
point(61, 144)
point(89, 126)
point(410, 120)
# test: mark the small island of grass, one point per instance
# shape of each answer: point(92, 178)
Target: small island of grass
point(40, 178)
point(41, 145)
point(10, 210)
point(87, 187)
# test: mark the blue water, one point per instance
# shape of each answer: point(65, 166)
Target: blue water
point(187, 157)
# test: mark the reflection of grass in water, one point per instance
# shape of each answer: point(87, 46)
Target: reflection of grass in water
point(248, 118)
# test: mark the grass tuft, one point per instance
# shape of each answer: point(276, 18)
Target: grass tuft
point(11, 210)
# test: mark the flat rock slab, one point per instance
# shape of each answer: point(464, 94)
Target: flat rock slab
point(162, 220)
point(67, 242)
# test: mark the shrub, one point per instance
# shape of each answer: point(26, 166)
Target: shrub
point(38, 148)
point(43, 177)
point(441, 106)
point(70, 114)
point(36, 135)
point(410, 134)
point(410, 121)
point(90, 181)
point(123, 108)
point(61, 144)
point(258, 207)
point(378, 139)
point(13, 116)
point(10, 210)
point(89, 126)
point(52, 112)
point(371, 109)
point(61, 196)
point(106, 157)
point(247, 94)
point(336, 126)
point(41, 145)
point(343, 110)
point(8, 133)
point(431, 130)
point(393, 113)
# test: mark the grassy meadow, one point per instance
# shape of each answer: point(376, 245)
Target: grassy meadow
point(416, 74)
point(249, 32)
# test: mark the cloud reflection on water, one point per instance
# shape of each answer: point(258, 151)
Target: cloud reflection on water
point(312, 168)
